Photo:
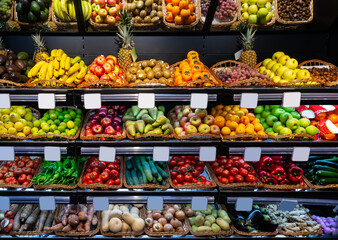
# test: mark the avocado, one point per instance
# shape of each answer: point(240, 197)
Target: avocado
point(31, 17)
point(22, 56)
point(41, 3)
point(19, 7)
point(43, 16)
point(35, 8)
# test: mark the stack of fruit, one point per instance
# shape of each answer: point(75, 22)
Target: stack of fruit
point(105, 69)
point(100, 172)
point(327, 74)
point(152, 70)
point(65, 10)
point(257, 11)
point(192, 121)
point(187, 170)
point(146, 12)
point(106, 120)
point(233, 169)
point(225, 11)
point(106, 11)
point(5, 10)
point(62, 122)
point(283, 69)
point(17, 121)
point(277, 120)
point(32, 11)
point(192, 69)
point(327, 123)
point(234, 120)
point(180, 12)
point(146, 121)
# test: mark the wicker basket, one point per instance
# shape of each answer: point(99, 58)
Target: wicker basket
point(59, 136)
point(6, 136)
point(48, 83)
point(272, 21)
point(30, 25)
point(221, 233)
point(100, 84)
point(233, 185)
point(163, 234)
point(145, 186)
point(222, 23)
point(254, 233)
point(98, 136)
point(312, 186)
point(4, 185)
point(244, 137)
point(100, 186)
point(207, 174)
point(8, 84)
point(295, 136)
point(110, 234)
point(150, 136)
point(279, 19)
point(173, 25)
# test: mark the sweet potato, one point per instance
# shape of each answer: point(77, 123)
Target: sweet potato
point(57, 227)
point(16, 224)
point(67, 228)
point(94, 220)
point(73, 220)
point(26, 212)
point(32, 218)
point(90, 217)
point(64, 215)
point(80, 227)
point(83, 213)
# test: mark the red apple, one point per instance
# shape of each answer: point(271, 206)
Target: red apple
point(118, 119)
point(96, 117)
point(106, 7)
point(209, 119)
point(214, 129)
point(92, 67)
point(105, 77)
point(94, 14)
point(107, 67)
point(100, 60)
point(110, 19)
point(113, 58)
point(111, 2)
point(109, 130)
point(93, 122)
point(102, 114)
point(97, 129)
point(183, 120)
point(195, 120)
point(99, 70)
point(113, 11)
point(101, 2)
point(112, 76)
point(122, 109)
point(118, 128)
point(98, 19)
point(103, 108)
point(105, 122)
point(186, 125)
point(116, 70)
point(88, 132)
point(111, 111)
point(103, 13)
point(110, 60)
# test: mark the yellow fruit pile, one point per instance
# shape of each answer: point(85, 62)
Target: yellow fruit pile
point(61, 67)
point(235, 120)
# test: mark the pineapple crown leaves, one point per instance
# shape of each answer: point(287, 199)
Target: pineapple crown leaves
point(124, 27)
point(247, 40)
point(2, 45)
point(40, 43)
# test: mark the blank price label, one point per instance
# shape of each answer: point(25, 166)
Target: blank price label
point(199, 203)
point(46, 100)
point(92, 100)
point(146, 100)
point(207, 154)
point(100, 203)
point(199, 100)
point(238, 54)
point(291, 99)
point(107, 154)
point(47, 203)
point(7, 154)
point(4, 203)
point(52, 154)
point(287, 205)
point(155, 203)
point(5, 100)
point(300, 154)
point(252, 154)
point(161, 154)
point(244, 204)
point(249, 100)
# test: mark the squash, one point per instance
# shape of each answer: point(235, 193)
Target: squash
point(138, 205)
point(115, 225)
point(115, 213)
point(135, 210)
point(125, 227)
point(128, 218)
point(138, 225)
point(105, 220)
point(124, 209)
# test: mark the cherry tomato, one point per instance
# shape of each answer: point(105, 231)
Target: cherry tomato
point(117, 181)
point(111, 166)
point(188, 178)
point(239, 178)
point(93, 164)
point(106, 170)
point(175, 182)
point(218, 171)
point(224, 180)
point(252, 172)
point(183, 170)
point(88, 170)
point(188, 161)
point(201, 163)
point(104, 176)
point(225, 173)
point(231, 179)
point(233, 171)
point(97, 170)
point(173, 174)
point(172, 163)
point(243, 172)
point(194, 180)
point(87, 176)
point(180, 163)
point(180, 178)
point(93, 175)
point(250, 178)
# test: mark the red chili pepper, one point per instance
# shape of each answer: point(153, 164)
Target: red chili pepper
point(271, 181)
point(278, 173)
point(295, 173)
point(285, 182)
point(263, 176)
point(266, 163)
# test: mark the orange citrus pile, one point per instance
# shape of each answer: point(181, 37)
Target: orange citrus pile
point(180, 12)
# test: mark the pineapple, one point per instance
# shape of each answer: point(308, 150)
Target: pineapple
point(248, 56)
point(124, 28)
point(40, 53)
point(49, 27)
point(9, 26)
point(3, 51)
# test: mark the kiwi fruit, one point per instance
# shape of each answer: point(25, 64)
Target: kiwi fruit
point(133, 6)
point(160, 14)
point(133, 70)
point(147, 69)
point(164, 65)
point(133, 78)
point(148, 3)
point(141, 75)
point(143, 13)
point(158, 74)
point(152, 63)
point(140, 4)
point(166, 73)
point(150, 74)
point(144, 64)
point(138, 19)
point(147, 19)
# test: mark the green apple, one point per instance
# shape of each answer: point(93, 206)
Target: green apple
point(245, 16)
point(277, 111)
point(303, 74)
point(261, 3)
point(276, 79)
point(289, 75)
point(265, 114)
point(259, 109)
point(270, 64)
point(284, 117)
point(292, 123)
point(262, 12)
point(252, 19)
point(312, 130)
point(289, 109)
point(275, 67)
point(275, 106)
point(269, 17)
point(271, 119)
point(36, 123)
point(304, 122)
point(285, 131)
point(252, 2)
point(300, 130)
point(291, 63)
point(244, 7)
point(268, 6)
point(262, 120)
point(267, 108)
point(296, 71)
point(295, 114)
point(280, 71)
point(277, 126)
point(266, 61)
point(277, 55)
point(265, 125)
point(283, 59)
point(253, 10)
point(269, 130)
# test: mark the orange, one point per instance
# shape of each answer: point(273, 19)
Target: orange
point(225, 131)
point(232, 112)
point(333, 117)
point(219, 121)
point(258, 127)
point(244, 110)
point(261, 132)
point(245, 120)
point(241, 125)
point(235, 118)
point(235, 108)
point(219, 112)
point(227, 108)
point(192, 7)
point(219, 107)
point(213, 112)
point(228, 116)
point(250, 125)
point(223, 114)
point(176, 10)
point(232, 133)
point(256, 121)
point(240, 130)
point(249, 130)
point(175, 2)
point(330, 136)
point(227, 123)
point(251, 116)
point(233, 125)
point(169, 7)
point(240, 113)
point(313, 123)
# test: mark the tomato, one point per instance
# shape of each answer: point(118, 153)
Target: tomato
point(224, 180)
point(173, 174)
point(84, 182)
point(188, 178)
point(172, 163)
point(239, 178)
point(93, 175)
point(29, 164)
point(17, 158)
point(22, 178)
point(90, 181)
point(175, 182)
point(219, 177)
point(1, 175)
point(228, 166)
point(180, 163)
point(243, 172)
point(195, 173)
point(233, 171)
point(241, 162)
point(106, 170)
point(218, 171)
point(93, 164)
point(201, 163)
point(21, 164)
point(88, 170)
point(98, 180)
point(104, 176)
point(114, 174)
point(111, 166)
point(35, 166)
point(87, 176)
point(203, 178)
point(13, 169)
point(231, 179)
point(8, 175)
point(186, 183)
point(84, 179)
point(225, 173)
point(183, 170)
point(97, 170)
point(36, 160)
point(188, 161)
point(26, 183)
point(10, 180)
point(29, 177)
point(252, 172)
point(208, 183)
point(110, 182)
point(246, 166)
point(250, 178)
point(199, 183)
point(3, 169)
point(236, 164)
point(180, 178)
point(194, 180)
point(199, 168)
point(27, 170)
point(117, 181)
point(102, 165)
point(9, 164)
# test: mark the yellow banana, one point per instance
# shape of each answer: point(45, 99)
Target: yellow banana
point(63, 61)
point(64, 5)
point(78, 81)
point(43, 71)
point(56, 64)
point(70, 80)
point(53, 53)
point(59, 54)
point(63, 78)
point(75, 60)
point(67, 66)
point(34, 71)
point(61, 71)
point(50, 71)
point(56, 73)
point(82, 64)
point(82, 72)
point(74, 69)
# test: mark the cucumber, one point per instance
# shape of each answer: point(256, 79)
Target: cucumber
point(134, 177)
point(153, 168)
point(315, 158)
point(161, 165)
point(323, 173)
point(326, 168)
point(162, 172)
point(139, 177)
point(144, 178)
point(128, 178)
point(327, 163)
point(146, 168)
point(326, 181)
point(129, 164)
point(334, 159)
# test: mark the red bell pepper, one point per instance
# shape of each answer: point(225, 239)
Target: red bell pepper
point(279, 160)
point(271, 181)
point(285, 182)
point(278, 173)
point(266, 163)
point(295, 173)
point(263, 176)
point(299, 183)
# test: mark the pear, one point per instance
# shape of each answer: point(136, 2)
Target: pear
point(147, 119)
point(130, 123)
point(140, 126)
point(148, 128)
point(141, 113)
point(161, 108)
point(126, 118)
point(153, 112)
point(160, 113)
point(135, 109)
point(160, 121)
point(156, 131)
point(131, 130)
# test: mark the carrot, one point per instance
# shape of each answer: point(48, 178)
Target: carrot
point(32, 218)
point(42, 219)
point(26, 212)
point(16, 224)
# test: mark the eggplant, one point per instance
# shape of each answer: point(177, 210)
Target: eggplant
point(2, 59)
point(11, 56)
point(8, 62)
point(269, 226)
point(255, 217)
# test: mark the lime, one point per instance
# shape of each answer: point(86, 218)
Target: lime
point(34, 129)
point(61, 128)
point(50, 122)
point(57, 132)
point(46, 115)
point(59, 110)
point(77, 122)
point(67, 116)
point(78, 116)
point(70, 124)
point(72, 114)
point(57, 121)
point(71, 132)
point(36, 123)
point(45, 128)
point(44, 119)
point(51, 111)
point(61, 117)
point(53, 116)
point(66, 120)
point(79, 111)
point(53, 127)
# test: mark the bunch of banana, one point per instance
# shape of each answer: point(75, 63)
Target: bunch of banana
point(65, 10)
point(61, 67)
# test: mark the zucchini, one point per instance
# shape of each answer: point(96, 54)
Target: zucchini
point(128, 178)
point(315, 158)
point(134, 177)
point(327, 163)
point(129, 164)
point(162, 172)
point(160, 164)
point(139, 177)
point(153, 168)
point(146, 168)
point(144, 178)
point(326, 181)
point(326, 168)
point(323, 173)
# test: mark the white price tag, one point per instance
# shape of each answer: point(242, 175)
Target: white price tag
point(300, 154)
point(199, 203)
point(7, 154)
point(287, 205)
point(155, 203)
point(238, 54)
point(207, 154)
point(100, 203)
point(252, 154)
point(92, 100)
point(161, 154)
point(47, 203)
point(291, 99)
point(46, 100)
point(5, 100)
point(146, 100)
point(4, 203)
point(107, 154)
point(244, 204)
point(52, 154)
point(199, 100)
point(249, 100)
